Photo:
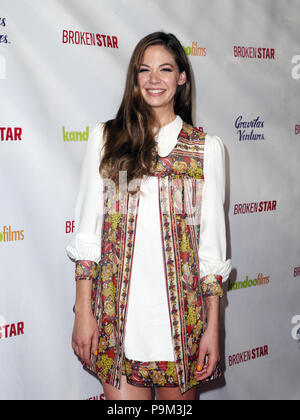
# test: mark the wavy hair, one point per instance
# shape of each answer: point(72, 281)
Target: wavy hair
point(129, 139)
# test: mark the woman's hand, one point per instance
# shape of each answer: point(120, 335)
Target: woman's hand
point(209, 345)
point(209, 342)
point(85, 336)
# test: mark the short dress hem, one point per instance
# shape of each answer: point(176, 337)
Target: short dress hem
point(156, 373)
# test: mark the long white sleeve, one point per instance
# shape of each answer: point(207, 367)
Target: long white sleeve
point(86, 240)
point(212, 249)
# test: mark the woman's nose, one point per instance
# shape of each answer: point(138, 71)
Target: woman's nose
point(154, 77)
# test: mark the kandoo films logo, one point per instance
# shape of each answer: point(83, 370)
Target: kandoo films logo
point(9, 235)
point(75, 136)
point(247, 283)
point(195, 50)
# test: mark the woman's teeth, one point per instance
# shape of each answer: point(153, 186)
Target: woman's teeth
point(154, 91)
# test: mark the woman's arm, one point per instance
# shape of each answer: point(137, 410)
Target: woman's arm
point(209, 344)
point(85, 243)
point(214, 269)
point(85, 332)
point(85, 247)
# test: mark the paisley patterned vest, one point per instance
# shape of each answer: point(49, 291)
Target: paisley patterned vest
point(180, 180)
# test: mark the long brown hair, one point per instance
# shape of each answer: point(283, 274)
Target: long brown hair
point(129, 143)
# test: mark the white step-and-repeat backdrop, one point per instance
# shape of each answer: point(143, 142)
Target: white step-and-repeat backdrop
point(62, 69)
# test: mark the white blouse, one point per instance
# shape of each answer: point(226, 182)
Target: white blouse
point(148, 330)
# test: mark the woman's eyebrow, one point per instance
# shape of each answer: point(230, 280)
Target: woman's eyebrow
point(166, 64)
point(161, 65)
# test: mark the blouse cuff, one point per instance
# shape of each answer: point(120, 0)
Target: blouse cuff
point(212, 285)
point(84, 246)
point(219, 268)
point(86, 270)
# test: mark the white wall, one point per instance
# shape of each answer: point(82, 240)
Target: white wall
point(46, 85)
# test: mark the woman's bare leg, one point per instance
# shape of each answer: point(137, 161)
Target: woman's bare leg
point(126, 391)
point(164, 393)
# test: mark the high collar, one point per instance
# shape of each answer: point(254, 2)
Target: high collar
point(167, 136)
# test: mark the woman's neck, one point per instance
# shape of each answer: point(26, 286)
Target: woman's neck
point(164, 118)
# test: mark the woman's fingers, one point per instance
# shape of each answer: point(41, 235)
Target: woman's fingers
point(86, 353)
point(83, 351)
point(207, 371)
point(201, 359)
point(85, 337)
point(75, 347)
point(95, 340)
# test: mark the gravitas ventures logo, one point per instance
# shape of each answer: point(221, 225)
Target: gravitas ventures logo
point(3, 37)
point(252, 129)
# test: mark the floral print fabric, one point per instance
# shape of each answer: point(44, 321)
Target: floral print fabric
point(180, 179)
point(158, 373)
point(212, 285)
point(86, 270)
point(149, 374)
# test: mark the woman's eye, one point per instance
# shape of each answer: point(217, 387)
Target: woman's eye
point(164, 69)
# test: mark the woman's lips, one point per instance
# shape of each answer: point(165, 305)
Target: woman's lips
point(155, 92)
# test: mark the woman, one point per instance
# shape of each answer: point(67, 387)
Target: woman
point(149, 243)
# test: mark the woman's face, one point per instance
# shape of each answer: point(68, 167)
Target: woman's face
point(158, 79)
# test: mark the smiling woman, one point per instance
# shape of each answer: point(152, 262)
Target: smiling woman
point(148, 315)
point(158, 80)
point(158, 87)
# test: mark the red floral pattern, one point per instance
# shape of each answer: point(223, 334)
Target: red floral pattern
point(155, 374)
point(212, 285)
point(86, 270)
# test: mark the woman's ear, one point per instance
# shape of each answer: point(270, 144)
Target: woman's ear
point(182, 78)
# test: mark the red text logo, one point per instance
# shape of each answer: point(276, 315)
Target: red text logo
point(256, 207)
point(88, 38)
point(70, 225)
point(97, 398)
point(253, 52)
point(296, 271)
point(245, 356)
point(11, 330)
point(10, 133)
